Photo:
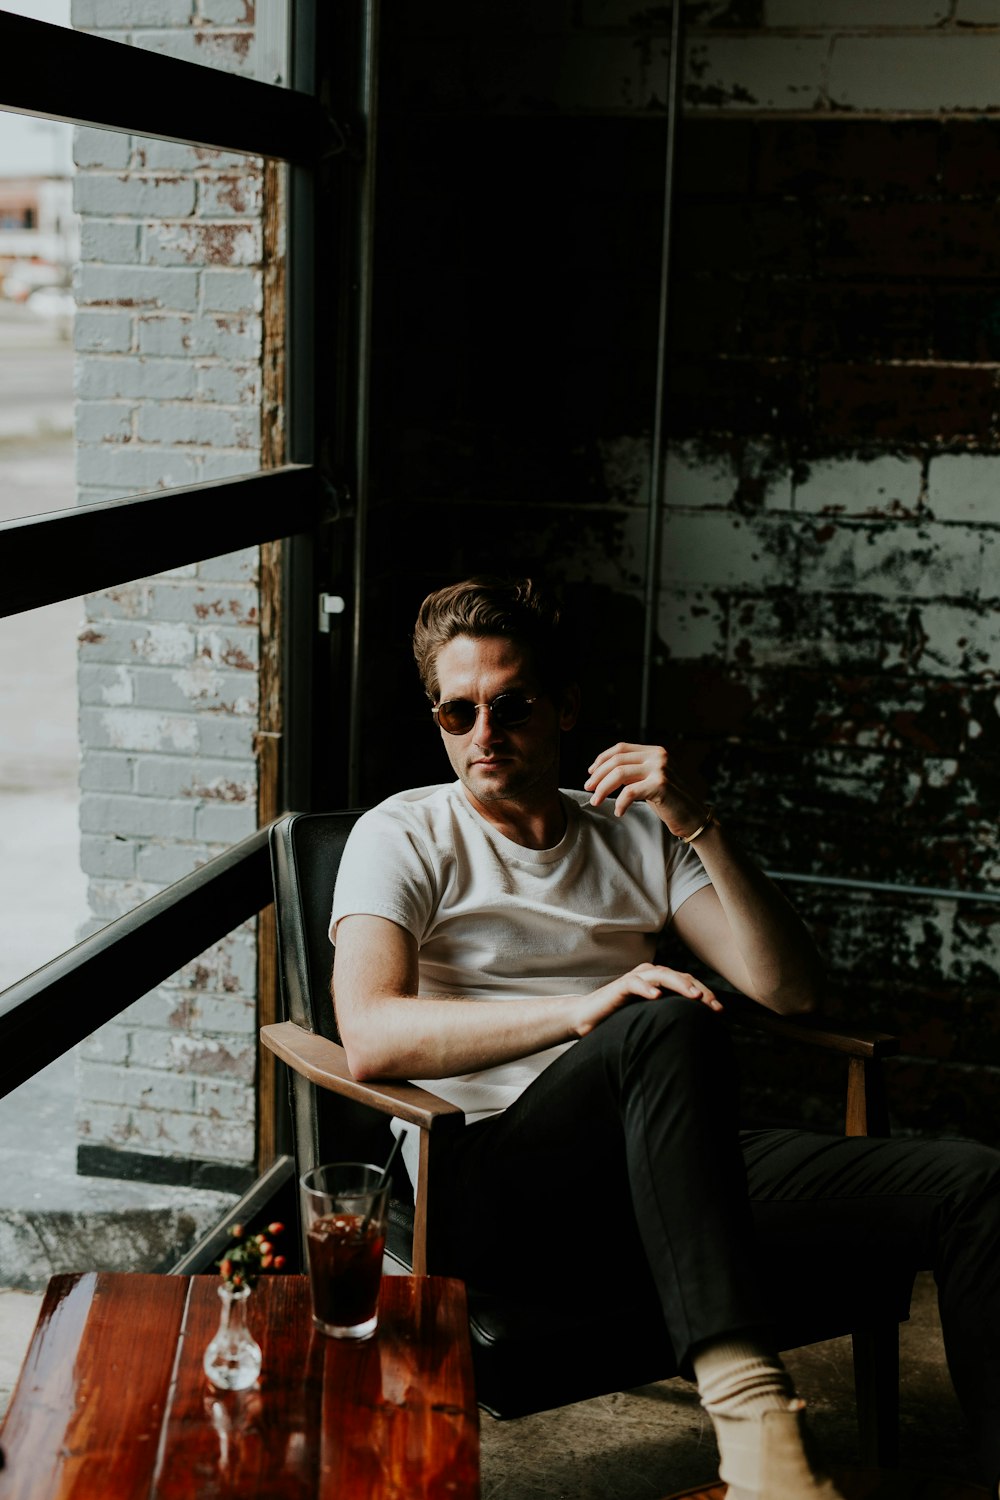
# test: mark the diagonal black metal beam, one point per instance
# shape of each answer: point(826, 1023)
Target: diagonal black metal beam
point(72, 552)
point(44, 1015)
point(68, 75)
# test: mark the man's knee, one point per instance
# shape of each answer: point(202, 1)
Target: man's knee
point(673, 1023)
point(962, 1178)
point(974, 1172)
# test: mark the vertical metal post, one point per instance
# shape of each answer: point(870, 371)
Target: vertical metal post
point(657, 459)
point(299, 587)
point(274, 63)
point(366, 229)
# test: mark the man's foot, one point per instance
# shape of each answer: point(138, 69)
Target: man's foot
point(771, 1458)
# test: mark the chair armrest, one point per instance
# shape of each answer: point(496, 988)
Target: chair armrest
point(324, 1063)
point(813, 1030)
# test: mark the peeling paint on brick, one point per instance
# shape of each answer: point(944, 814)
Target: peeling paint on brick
point(236, 42)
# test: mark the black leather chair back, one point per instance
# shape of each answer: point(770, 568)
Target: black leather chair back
point(305, 856)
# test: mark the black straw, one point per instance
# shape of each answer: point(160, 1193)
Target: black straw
point(383, 1179)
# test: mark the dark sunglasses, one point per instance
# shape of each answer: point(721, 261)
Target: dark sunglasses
point(507, 710)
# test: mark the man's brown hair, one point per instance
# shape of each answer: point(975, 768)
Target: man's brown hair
point(485, 605)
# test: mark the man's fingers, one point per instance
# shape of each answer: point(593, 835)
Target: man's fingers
point(644, 982)
point(682, 984)
point(640, 768)
point(602, 786)
point(629, 794)
point(630, 786)
point(602, 773)
point(617, 755)
point(599, 788)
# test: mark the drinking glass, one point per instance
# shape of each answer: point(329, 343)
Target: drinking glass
point(344, 1208)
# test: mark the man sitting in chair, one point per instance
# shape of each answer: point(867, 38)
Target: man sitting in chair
point(494, 940)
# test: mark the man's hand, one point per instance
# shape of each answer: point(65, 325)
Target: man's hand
point(645, 982)
point(641, 773)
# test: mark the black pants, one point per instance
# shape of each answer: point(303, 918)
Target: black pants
point(626, 1158)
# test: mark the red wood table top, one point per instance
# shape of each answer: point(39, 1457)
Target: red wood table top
point(112, 1400)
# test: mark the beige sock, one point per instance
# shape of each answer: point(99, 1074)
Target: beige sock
point(738, 1380)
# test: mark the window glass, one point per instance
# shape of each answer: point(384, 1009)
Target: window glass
point(56, 12)
point(43, 893)
point(39, 246)
point(116, 1103)
point(134, 282)
point(169, 294)
point(127, 737)
point(123, 1152)
point(215, 33)
point(135, 275)
point(128, 722)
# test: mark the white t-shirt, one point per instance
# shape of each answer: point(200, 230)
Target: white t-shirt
point(494, 920)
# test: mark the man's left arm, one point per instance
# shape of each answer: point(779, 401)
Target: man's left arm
point(741, 924)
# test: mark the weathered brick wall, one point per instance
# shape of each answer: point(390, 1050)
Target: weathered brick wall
point(835, 371)
point(826, 645)
point(168, 379)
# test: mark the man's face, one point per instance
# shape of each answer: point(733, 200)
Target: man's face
point(495, 764)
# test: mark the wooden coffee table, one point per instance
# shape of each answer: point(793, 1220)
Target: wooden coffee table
point(112, 1399)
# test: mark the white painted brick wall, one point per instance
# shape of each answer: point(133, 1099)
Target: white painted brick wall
point(928, 73)
point(168, 386)
point(800, 56)
point(919, 56)
point(875, 486)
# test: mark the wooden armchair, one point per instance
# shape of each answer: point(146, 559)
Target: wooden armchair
point(534, 1356)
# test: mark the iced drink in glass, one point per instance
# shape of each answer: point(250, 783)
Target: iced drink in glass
point(344, 1216)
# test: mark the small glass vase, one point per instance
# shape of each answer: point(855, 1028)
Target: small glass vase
point(233, 1358)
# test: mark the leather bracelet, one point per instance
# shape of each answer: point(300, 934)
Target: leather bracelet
point(699, 831)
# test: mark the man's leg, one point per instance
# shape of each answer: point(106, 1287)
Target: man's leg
point(628, 1146)
point(931, 1205)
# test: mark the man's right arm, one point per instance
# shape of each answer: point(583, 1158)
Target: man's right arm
point(389, 1031)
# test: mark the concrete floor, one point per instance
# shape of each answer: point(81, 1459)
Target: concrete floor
point(648, 1443)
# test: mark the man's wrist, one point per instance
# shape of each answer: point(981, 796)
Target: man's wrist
point(709, 821)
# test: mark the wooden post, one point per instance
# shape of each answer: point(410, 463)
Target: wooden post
point(867, 1110)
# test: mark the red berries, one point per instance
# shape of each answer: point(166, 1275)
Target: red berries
point(248, 1255)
